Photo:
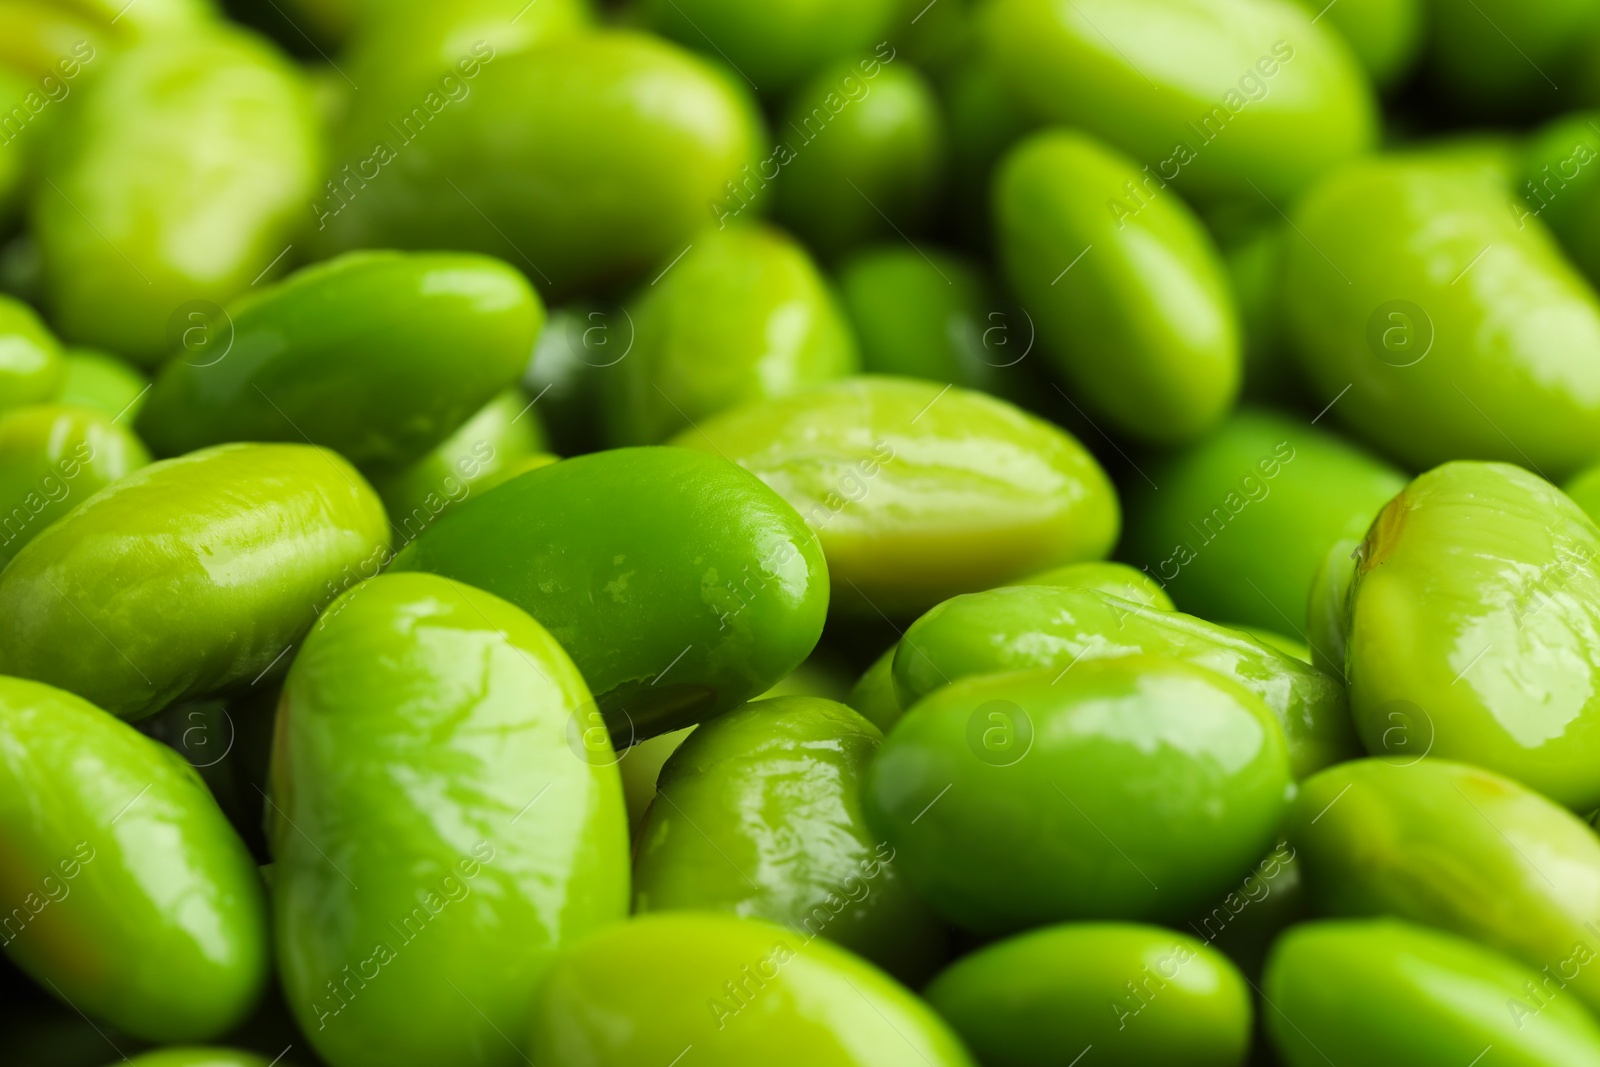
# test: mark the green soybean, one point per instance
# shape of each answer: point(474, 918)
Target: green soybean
point(1102, 275)
point(31, 367)
point(679, 584)
point(199, 1057)
point(1130, 788)
point(1243, 519)
point(1389, 994)
point(1445, 326)
point(111, 386)
point(1032, 627)
point(1249, 99)
point(742, 315)
point(867, 157)
point(631, 140)
point(188, 576)
point(1385, 35)
point(205, 137)
point(759, 814)
point(873, 695)
point(919, 492)
point(433, 824)
point(51, 458)
point(345, 354)
point(1458, 848)
point(738, 992)
point(1113, 579)
point(127, 891)
point(776, 45)
point(1135, 994)
point(1472, 618)
point(931, 316)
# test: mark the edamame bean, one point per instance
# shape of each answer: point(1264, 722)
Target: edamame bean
point(1472, 621)
point(738, 992)
point(125, 888)
point(1128, 788)
point(1033, 627)
point(30, 357)
point(743, 315)
point(1253, 93)
point(346, 354)
point(184, 143)
point(1243, 518)
point(1099, 275)
point(1135, 994)
point(1388, 994)
point(758, 814)
point(1458, 848)
point(424, 878)
point(679, 584)
point(188, 576)
point(1459, 330)
point(51, 458)
point(918, 492)
point(97, 380)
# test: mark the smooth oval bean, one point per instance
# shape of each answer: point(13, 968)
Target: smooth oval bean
point(742, 316)
point(679, 584)
point(758, 814)
point(1473, 626)
point(1388, 994)
point(738, 992)
point(424, 880)
point(1032, 627)
point(1458, 848)
point(188, 576)
point(51, 458)
point(918, 492)
point(1129, 788)
point(31, 367)
point(125, 888)
point(1135, 994)
point(1099, 275)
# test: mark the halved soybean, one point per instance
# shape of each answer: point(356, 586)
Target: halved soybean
point(1243, 518)
point(31, 367)
point(175, 182)
point(1030, 627)
point(1447, 327)
point(188, 576)
point(919, 492)
point(1388, 994)
point(1557, 182)
point(437, 840)
point(52, 458)
point(1458, 848)
point(98, 380)
point(351, 354)
point(1247, 99)
point(1474, 619)
point(679, 584)
point(774, 45)
point(1107, 268)
point(743, 315)
point(737, 992)
point(1113, 579)
point(758, 814)
point(1135, 994)
point(864, 154)
point(1131, 788)
point(128, 892)
point(511, 164)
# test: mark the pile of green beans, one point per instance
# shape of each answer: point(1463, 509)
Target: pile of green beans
point(801, 533)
